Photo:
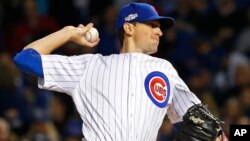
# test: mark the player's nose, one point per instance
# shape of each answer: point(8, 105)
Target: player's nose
point(159, 32)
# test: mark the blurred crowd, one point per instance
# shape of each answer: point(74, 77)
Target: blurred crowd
point(209, 46)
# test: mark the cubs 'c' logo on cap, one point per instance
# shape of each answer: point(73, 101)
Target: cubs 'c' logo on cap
point(158, 88)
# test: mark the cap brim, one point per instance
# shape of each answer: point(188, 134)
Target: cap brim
point(166, 22)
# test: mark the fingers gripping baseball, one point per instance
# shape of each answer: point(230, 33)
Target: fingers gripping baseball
point(92, 35)
point(92, 38)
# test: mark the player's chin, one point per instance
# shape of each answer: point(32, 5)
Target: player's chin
point(152, 51)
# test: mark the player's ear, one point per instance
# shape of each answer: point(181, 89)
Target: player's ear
point(128, 28)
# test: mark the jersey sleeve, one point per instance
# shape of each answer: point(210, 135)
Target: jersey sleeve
point(182, 99)
point(62, 73)
point(29, 61)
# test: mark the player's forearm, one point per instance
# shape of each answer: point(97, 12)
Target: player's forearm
point(51, 42)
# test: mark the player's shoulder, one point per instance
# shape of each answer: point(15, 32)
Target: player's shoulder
point(88, 56)
point(141, 57)
point(161, 64)
point(158, 60)
point(99, 56)
point(135, 56)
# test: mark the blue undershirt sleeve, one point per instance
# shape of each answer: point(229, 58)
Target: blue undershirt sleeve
point(29, 61)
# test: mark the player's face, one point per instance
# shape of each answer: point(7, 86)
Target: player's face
point(147, 36)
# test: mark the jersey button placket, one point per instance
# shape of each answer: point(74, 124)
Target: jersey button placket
point(132, 100)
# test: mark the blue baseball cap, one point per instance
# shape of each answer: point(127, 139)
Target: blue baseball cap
point(142, 12)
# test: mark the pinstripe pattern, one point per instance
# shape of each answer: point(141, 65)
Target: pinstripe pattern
point(110, 96)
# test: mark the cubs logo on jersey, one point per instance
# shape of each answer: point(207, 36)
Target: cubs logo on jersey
point(158, 88)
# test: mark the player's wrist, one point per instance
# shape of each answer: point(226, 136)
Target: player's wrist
point(69, 32)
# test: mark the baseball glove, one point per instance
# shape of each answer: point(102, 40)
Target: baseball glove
point(199, 125)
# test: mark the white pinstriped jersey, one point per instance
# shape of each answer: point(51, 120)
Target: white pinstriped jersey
point(121, 97)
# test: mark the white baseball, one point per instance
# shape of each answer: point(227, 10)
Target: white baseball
point(92, 35)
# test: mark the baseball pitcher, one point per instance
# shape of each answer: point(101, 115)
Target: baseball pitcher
point(121, 97)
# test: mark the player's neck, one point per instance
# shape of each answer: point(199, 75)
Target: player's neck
point(129, 47)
